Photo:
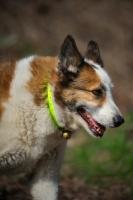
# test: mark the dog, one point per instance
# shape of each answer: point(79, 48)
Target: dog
point(43, 100)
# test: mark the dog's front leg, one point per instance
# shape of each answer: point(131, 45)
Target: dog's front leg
point(45, 178)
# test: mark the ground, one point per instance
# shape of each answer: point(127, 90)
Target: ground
point(39, 27)
point(71, 188)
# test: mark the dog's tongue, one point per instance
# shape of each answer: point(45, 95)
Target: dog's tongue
point(97, 128)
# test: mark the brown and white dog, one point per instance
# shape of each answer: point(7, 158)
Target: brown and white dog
point(30, 140)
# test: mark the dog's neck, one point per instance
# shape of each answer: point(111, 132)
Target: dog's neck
point(65, 133)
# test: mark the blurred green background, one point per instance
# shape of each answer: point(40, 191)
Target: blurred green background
point(39, 27)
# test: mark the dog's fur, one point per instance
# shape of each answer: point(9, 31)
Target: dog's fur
point(30, 141)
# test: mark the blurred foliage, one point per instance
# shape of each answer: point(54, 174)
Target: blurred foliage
point(7, 41)
point(25, 48)
point(110, 156)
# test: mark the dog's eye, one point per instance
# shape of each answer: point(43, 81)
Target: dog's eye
point(97, 92)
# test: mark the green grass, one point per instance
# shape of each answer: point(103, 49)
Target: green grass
point(110, 156)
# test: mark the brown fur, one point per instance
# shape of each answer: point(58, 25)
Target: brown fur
point(80, 88)
point(43, 70)
point(6, 76)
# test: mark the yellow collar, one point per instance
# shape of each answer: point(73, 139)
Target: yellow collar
point(65, 133)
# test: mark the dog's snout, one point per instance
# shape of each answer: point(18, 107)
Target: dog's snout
point(118, 120)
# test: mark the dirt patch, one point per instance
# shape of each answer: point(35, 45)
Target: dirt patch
point(72, 188)
point(13, 189)
point(105, 189)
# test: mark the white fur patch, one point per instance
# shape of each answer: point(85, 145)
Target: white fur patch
point(91, 62)
point(109, 109)
point(13, 122)
point(105, 79)
point(21, 77)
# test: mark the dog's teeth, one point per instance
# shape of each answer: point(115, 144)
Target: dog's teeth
point(98, 130)
point(88, 115)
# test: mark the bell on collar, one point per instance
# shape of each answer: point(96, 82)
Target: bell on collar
point(66, 134)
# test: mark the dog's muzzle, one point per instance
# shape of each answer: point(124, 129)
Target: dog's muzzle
point(118, 120)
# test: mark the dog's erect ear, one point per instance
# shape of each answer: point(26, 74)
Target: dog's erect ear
point(92, 53)
point(69, 57)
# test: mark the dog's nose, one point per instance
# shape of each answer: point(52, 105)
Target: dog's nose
point(118, 120)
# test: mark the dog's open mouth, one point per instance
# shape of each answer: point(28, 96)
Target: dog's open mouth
point(94, 126)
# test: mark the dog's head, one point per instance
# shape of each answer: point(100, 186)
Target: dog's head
point(84, 87)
